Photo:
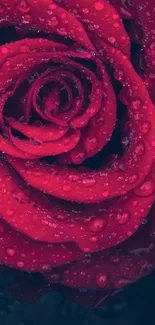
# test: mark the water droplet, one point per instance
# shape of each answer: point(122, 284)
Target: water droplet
point(98, 5)
point(140, 149)
point(67, 188)
point(121, 283)
point(117, 167)
point(113, 235)
point(46, 267)
point(9, 212)
point(123, 218)
point(89, 182)
point(101, 280)
point(11, 252)
point(129, 233)
point(146, 268)
point(86, 250)
point(115, 16)
point(54, 278)
point(135, 203)
point(74, 178)
point(116, 25)
point(136, 104)
point(23, 7)
point(20, 264)
point(24, 48)
point(93, 239)
point(145, 127)
point(50, 12)
point(85, 10)
point(66, 141)
point(105, 194)
point(53, 22)
point(63, 15)
point(52, 6)
point(145, 189)
point(27, 19)
point(62, 31)
point(97, 224)
point(4, 50)
point(133, 178)
point(114, 259)
point(91, 144)
point(112, 39)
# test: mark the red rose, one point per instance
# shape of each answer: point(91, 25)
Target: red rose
point(77, 141)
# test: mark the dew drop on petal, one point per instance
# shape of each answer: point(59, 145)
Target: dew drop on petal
point(135, 203)
point(65, 140)
point(9, 212)
point(11, 252)
point(136, 104)
point(112, 39)
point(145, 268)
point(145, 127)
point(89, 182)
point(123, 218)
point(113, 235)
point(93, 239)
point(105, 194)
point(145, 189)
point(98, 5)
point(45, 267)
point(24, 48)
point(67, 188)
point(133, 178)
point(20, 264)
point(61, 217)
point(52, 6)
point(114, 259)
point(4, 50)
point(23, 7)
point(85, 10)
point(97, 224)
point(62, 31)
point(55, 278)
point(27, 19)
point(129, 233)
point(140, 149)
point(53, 22)
point(121, 283)
point(101, 280)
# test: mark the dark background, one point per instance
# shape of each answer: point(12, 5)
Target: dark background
point(134, 306)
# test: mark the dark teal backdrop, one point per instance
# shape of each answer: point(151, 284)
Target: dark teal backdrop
point(134, 306)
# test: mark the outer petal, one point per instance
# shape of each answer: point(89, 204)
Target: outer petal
point(110, 269)
point(45, 16)
point(23, 253)
point(101, 21)
point(93, 227)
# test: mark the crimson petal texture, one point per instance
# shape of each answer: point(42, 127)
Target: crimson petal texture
point(77, 142)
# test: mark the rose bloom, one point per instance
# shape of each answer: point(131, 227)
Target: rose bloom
point(77, 142)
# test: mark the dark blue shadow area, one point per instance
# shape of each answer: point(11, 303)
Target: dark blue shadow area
point(134, 306)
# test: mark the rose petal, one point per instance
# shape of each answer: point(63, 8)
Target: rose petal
point(101, 21)
point(110, 270)
point(38, 133)
point(93, 227)
point(47, 17)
